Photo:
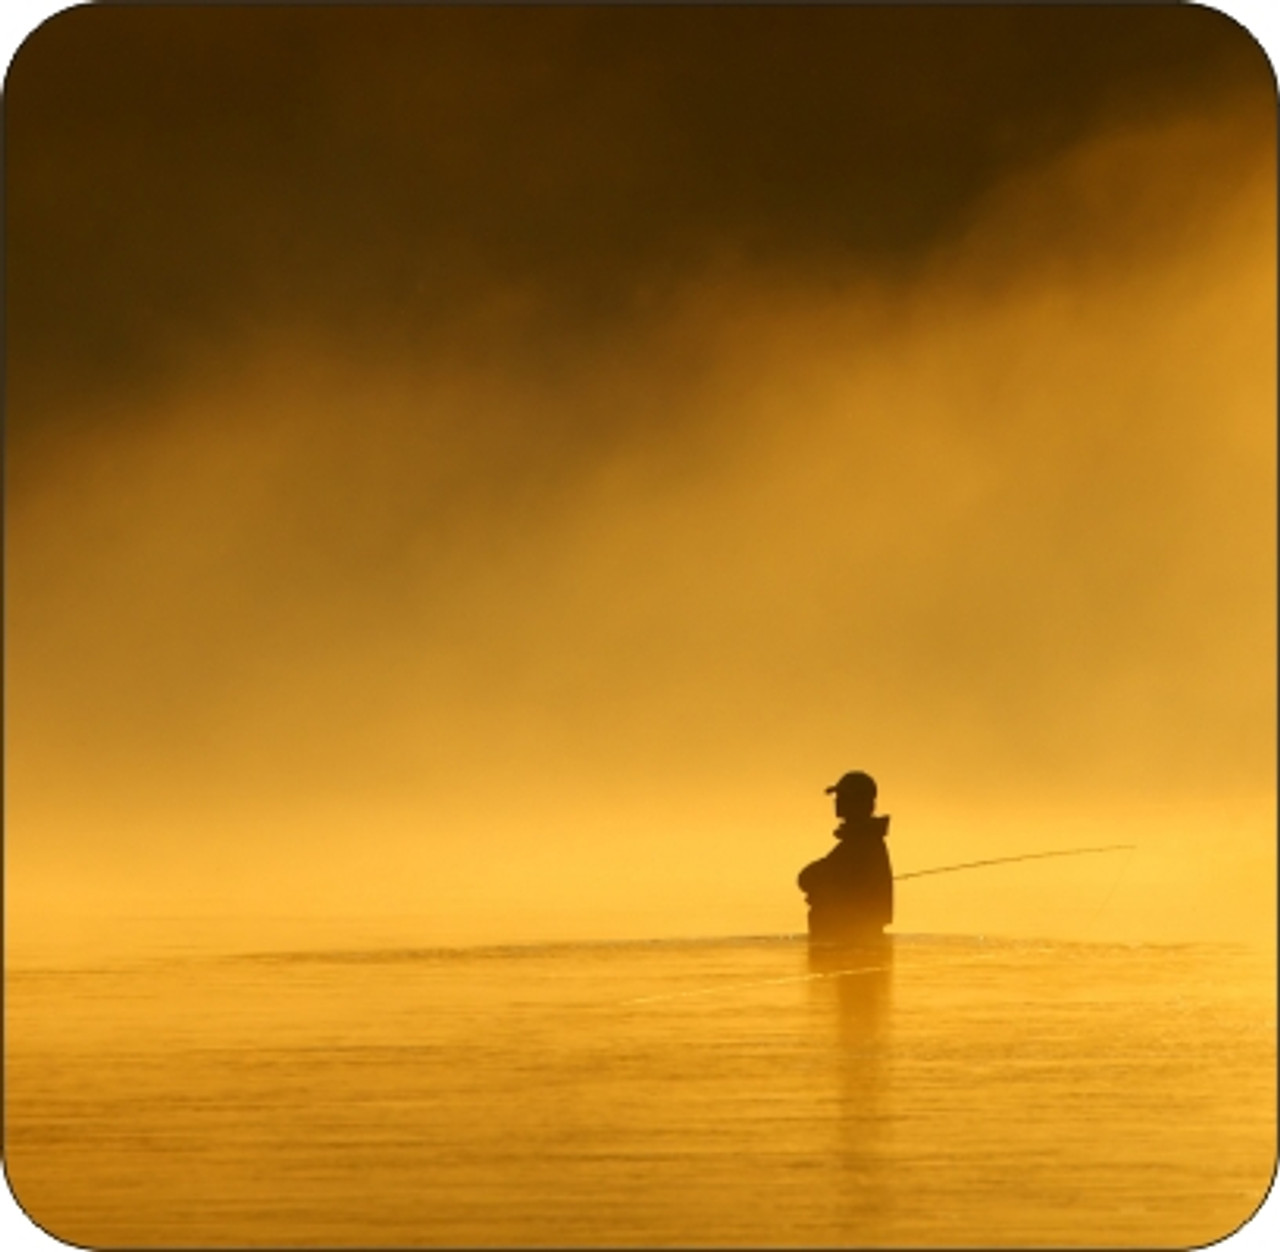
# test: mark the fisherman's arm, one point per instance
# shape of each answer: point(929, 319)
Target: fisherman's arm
point(814, 876)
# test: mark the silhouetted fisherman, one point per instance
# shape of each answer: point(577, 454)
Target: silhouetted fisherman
point(850, 890)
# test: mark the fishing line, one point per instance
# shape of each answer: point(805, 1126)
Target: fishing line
point(766, 982)
point(1115, 882)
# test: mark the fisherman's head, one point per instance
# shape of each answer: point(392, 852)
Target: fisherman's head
point(855, 795)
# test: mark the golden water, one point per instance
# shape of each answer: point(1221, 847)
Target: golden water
point(949, 1091)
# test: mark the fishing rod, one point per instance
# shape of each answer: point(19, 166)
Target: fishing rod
point(877, 969)
point(1005, 860)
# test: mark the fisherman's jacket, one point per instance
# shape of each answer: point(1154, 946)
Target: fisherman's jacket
point(850, 890)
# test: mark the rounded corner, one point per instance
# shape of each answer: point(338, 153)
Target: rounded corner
point(1217, 14)
point(1266, 1201)
point(58, 17)
point(14, 1210)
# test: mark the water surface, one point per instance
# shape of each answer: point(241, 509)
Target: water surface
point(944, 1091)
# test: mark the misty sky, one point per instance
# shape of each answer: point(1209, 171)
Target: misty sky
point(494, 467)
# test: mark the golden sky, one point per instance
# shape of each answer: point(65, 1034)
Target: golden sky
point(482, 473)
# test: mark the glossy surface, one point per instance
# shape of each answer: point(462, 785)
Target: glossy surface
point(943, 1091)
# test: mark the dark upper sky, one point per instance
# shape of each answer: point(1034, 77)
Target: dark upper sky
point(449, 446)
point(180, 175)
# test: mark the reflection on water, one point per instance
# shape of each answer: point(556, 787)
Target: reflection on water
point(851, 998)
point(925, 1091)
point(861, 976)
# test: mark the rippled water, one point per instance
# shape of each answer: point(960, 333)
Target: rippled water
point(941, 1091)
